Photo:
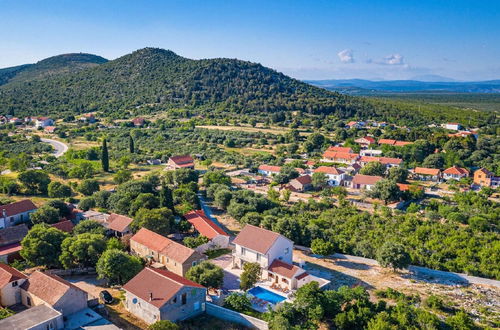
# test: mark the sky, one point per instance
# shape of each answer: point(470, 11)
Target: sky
point(315, 39)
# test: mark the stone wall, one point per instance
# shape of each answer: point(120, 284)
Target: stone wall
point(232, 316)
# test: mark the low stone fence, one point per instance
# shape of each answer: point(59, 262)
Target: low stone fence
point(73, 272)
point(232, 316)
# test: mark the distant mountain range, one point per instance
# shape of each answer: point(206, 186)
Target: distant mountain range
point(367, 87)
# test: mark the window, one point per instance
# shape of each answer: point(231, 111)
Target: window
point(284, 280)
point(174, 300)
point(243, 251)
point(287, 250)
point(184, 298)
point(194, 263)
point(258, 256)
point(14, 283)
point(28, 301)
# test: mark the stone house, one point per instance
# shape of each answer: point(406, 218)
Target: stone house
point(157, 294)
point(119, 225)
point(10, 280)
point(15, 213)
point(10, 242)
point(41, 317)
point(301, 183)
point(360, 181)
point(426, 174)
point(176, 162)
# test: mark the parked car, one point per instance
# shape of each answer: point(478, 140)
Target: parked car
point(106, 297)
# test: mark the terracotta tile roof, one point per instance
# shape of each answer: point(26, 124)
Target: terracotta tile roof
point(13, 234)
point(256, 238)
point(182, 160)
point(369, 139)
point(119, 222)
point(17, 207)
point(161, 284)
point(426, 171)
point(138, 121)
point(163, 245)
point(203, 224)
point(303, 180)
point(328, 170)
point(402, 143)
point(50, 129)
point(456, 171)
point(368, 159)
point(340, 155)
point(351, 123)
point(484, 171)
point(66, 226)
point(48, 287)
point(283, 269)
point(386, 141)
point(339, 149)
point(310, 163)
point(390, 160)
point(366, 179)
point(300, 170)
point(269, 168)
point(301, 276)
point(10, 249)
point(9, 274)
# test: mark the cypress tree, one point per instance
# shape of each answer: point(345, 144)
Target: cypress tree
point(105, 156)
point(166, 199)
point(131, 144)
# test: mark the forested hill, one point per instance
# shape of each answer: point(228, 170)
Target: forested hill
point(56, 65)
point(153, 79)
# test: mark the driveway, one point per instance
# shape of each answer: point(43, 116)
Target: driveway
point(59, 147)
point(231, 276)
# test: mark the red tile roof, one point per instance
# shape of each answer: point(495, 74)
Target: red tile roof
point(66, 226)
point(204, 225)
point(184, 160)
point(328, 170)
point(426, 171)
point(10, 249)
point(270, 168)
point(9, 274)
point(48, 287)
point(301, 276)
point(256, 238)
point(484, 171)
point(456, 170)
point(386, 141)
point(340, 155)
point(366, 179)
point(339, 149)
point(303, 180)
point(163, 245)
point(402, 143)
point(368, 159)
point(283, 269)
point(389, 160)
point(161, 284)
point(369, 139)
point(118, 222)
point(14, 234)
point(17, 207)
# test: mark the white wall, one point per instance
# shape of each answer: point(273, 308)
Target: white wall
point(277, 251)
point(11, 295)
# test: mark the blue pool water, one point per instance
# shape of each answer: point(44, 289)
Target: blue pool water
point(267, 295)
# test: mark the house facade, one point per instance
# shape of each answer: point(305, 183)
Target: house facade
point(268, 170)
point(364, 142)
point(485, 178)
point(44, 122)
point(16, 213)
point(41, 317)
point(10, 280)
point(174, 256)
point(255, 244)
point(284, 275)
point(360, 181)
point(334, 176)
point(176, 162)
point(10, 242)
point(119, 225)
point(426, 174)
point(157, 294)
point(455, 173)
point(301, 183)
point(340, 157)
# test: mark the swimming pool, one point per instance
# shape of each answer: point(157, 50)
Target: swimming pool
point(266, 295)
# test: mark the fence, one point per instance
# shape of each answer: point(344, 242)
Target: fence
point(232, 316)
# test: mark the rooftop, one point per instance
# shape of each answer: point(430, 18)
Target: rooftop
point(48, 287)
point(366, 179)
point(29, 318)
point(9, 274)
point(203, 224)
point(256, 238)
point(118, 222)
point(328, 170)
point(283, 268)
point(17, 207)
point(14, 234)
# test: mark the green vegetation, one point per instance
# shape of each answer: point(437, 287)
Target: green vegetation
point(117, 267)
point(206, 274)
point(250, 276)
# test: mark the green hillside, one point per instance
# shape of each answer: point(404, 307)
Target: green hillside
point(153, 79)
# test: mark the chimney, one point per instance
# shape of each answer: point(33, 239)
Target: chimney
point(151, 296)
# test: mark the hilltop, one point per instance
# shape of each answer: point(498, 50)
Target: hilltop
point(152, 80)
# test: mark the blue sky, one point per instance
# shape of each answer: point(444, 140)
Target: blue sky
point(334, 39)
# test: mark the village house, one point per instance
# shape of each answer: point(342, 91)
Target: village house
point(387, 161)
point(426, 174)
point(10, 242)
point(88, 118)
point(365, 142)
point(340, 157)
point(41, 317)
point(367, 182)
point(255, 244)
point(206, 227)
point(10, 280)
point(43, 288)
point(340, 149)
point(44, 122)
point(300, 184)
point(15, 213)
point(119, 225)
point(15, 121)
point(334, 176)
point(286, 277)
point(50, 129)
point(355, 124)
point(453, 126)
point(157, 294)
point(138, 122)
point(402, 143)
point(395, 143)
point(371, 152)
point(175, 162)
point(485, 178)
point(455, 173)
point(268, 170)
point(174, 256)
point(65, 225)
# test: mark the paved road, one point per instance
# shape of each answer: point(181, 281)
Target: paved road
point(59, 147)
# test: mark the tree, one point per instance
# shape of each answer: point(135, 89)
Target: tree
point(238, 302)
point(461, 321)
point(60, 206)
point(144, 201)
point(122, 176)
point(131, 147)
point(45, 214)
point(386, 190)
point(286, 195)
point(194, 242)
point(158, 220)
point(165, 197)
point(222, 198)
point(82, 250)
point(219, 177)
point(398, 174)
point(117, 267)
point(101, 198)
point(373, 168)
point(319, 180)
point(105, 156)
point(163, 325)
point(90, 227)
point(206, 274)
point(58, 190)
point(314, 142)
point(34, 181)
point(86, 203)
point(42, 246)
point(433, 161)
point(322, 247)
point(273, 194)
point(393, 255)
point(250, 276)
point(88, 187)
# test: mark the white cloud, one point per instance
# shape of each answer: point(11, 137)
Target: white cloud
point(346, 56)
point(394, 59)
